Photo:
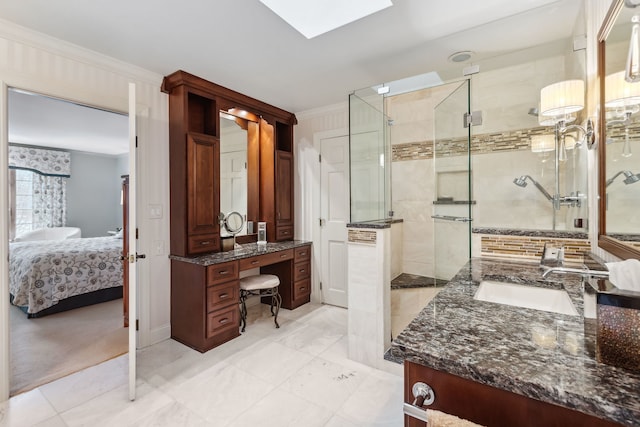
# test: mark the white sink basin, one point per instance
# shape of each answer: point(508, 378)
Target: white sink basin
point(553, 300)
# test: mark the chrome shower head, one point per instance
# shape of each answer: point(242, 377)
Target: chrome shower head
point(630, 178)
point(521, 181)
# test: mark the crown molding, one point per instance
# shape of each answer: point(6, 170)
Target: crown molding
point(17, 33)
point(340, 107)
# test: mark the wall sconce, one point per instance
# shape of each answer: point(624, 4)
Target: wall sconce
point(632, 70)
point(623, 100)
point(558, 101)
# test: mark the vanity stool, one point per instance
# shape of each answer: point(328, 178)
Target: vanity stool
point(263, 285)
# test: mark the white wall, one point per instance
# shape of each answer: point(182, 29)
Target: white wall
point(93, 194)
point(42, 64)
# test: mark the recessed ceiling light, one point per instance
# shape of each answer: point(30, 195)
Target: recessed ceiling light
point(315, 17)
point(462, 56)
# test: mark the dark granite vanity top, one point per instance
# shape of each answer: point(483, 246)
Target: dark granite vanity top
point(375, 224)
point(493, 344)
point(247, 250)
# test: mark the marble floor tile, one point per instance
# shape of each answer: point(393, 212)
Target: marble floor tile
point(115, 409)
point(270, 361)
point(377, 401)
point(297, 375)
point(325, 383)
point(282, 409)
point(75, 389)
point(25, 409)
point(310, 339)
point(173, 415)
point(56, 421)
point(221, 393)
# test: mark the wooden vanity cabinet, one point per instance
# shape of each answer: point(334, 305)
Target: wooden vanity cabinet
point(295, 278)
point(489, 406)
point(276, 180)
point(204, 304)
point(194, 163)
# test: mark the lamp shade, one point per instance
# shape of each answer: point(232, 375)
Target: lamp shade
point(619, 93)
point(542, 143)
point(562, 98)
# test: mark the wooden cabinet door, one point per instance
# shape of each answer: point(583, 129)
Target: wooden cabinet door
point(284, 188)
point(203, 184)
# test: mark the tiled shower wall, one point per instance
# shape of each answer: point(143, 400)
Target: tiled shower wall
point(501, 152)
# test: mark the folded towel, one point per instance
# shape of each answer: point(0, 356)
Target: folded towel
point(625, 274)
point(440, 419)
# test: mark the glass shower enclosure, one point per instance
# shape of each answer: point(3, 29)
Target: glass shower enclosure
point(453, 203)
point(370, 157)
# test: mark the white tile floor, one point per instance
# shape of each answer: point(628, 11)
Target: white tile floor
point(298, 375)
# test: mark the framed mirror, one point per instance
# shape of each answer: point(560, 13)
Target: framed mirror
point(619, 131)
point(239, 168)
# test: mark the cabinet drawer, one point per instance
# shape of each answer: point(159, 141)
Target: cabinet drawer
point(301, 289)
point(223, 320)
point(266, 259)
point(303, 253)
point(220, 296)
point(219, 273)
point(284, 233)
point(301, 270)
point(203, 243)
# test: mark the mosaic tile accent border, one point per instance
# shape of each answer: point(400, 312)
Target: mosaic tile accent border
point(480, 144)
point(362, 236)
point(531, 247)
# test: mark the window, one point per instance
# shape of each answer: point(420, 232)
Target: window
point(21, 201)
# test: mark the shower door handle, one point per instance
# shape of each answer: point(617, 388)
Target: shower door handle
point(452, 218)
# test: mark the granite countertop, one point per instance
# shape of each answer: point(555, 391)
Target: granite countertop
point(376, 223)
point(492, 344)
point(246, 250)
point(558, 234)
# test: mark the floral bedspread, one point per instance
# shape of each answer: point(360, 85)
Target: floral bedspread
point(41, 273)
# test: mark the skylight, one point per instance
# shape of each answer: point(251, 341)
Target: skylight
point(314, 17)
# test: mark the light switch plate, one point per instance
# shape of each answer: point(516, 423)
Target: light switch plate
point(155, 211)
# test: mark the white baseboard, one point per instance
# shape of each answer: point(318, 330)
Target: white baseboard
point(157, 335)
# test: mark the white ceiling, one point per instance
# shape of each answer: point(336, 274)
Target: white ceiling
point(243, 45)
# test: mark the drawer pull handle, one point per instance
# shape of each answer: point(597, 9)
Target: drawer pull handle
point(302, 288)
point(302, 270)
point(283, 256)
point(206, 242)
point(255, 262)
point(223, 321)
point(285, 232)
point(302, 253)
point(223, 272)
point(223, 296)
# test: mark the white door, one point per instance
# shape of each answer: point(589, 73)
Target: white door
point(4, 245)
point(133, 226)
point(334, 214)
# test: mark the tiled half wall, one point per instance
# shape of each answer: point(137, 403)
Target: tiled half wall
point(531, 247)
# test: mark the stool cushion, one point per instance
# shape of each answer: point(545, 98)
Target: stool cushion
point(259, 281)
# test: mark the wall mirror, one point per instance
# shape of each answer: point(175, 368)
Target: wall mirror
point(619, 148)
point(239, 168)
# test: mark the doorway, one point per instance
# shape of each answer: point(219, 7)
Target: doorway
point(51, 345)
point(334, 216)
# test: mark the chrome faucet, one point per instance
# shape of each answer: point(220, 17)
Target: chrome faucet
point(583, 271)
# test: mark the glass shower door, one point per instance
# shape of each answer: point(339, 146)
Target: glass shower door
point(452, 205)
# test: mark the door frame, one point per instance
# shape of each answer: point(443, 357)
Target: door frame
point(316, 206)
point(114, 103)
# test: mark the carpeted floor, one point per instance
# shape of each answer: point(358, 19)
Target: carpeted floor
point(57, 345)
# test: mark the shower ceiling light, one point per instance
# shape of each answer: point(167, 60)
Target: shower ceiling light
point(314, 17)
point(462, 56)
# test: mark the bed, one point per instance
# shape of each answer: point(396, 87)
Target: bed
point(51, 276)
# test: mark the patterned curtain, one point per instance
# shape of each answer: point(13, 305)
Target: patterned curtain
point(49, 201)
point(51, 167)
